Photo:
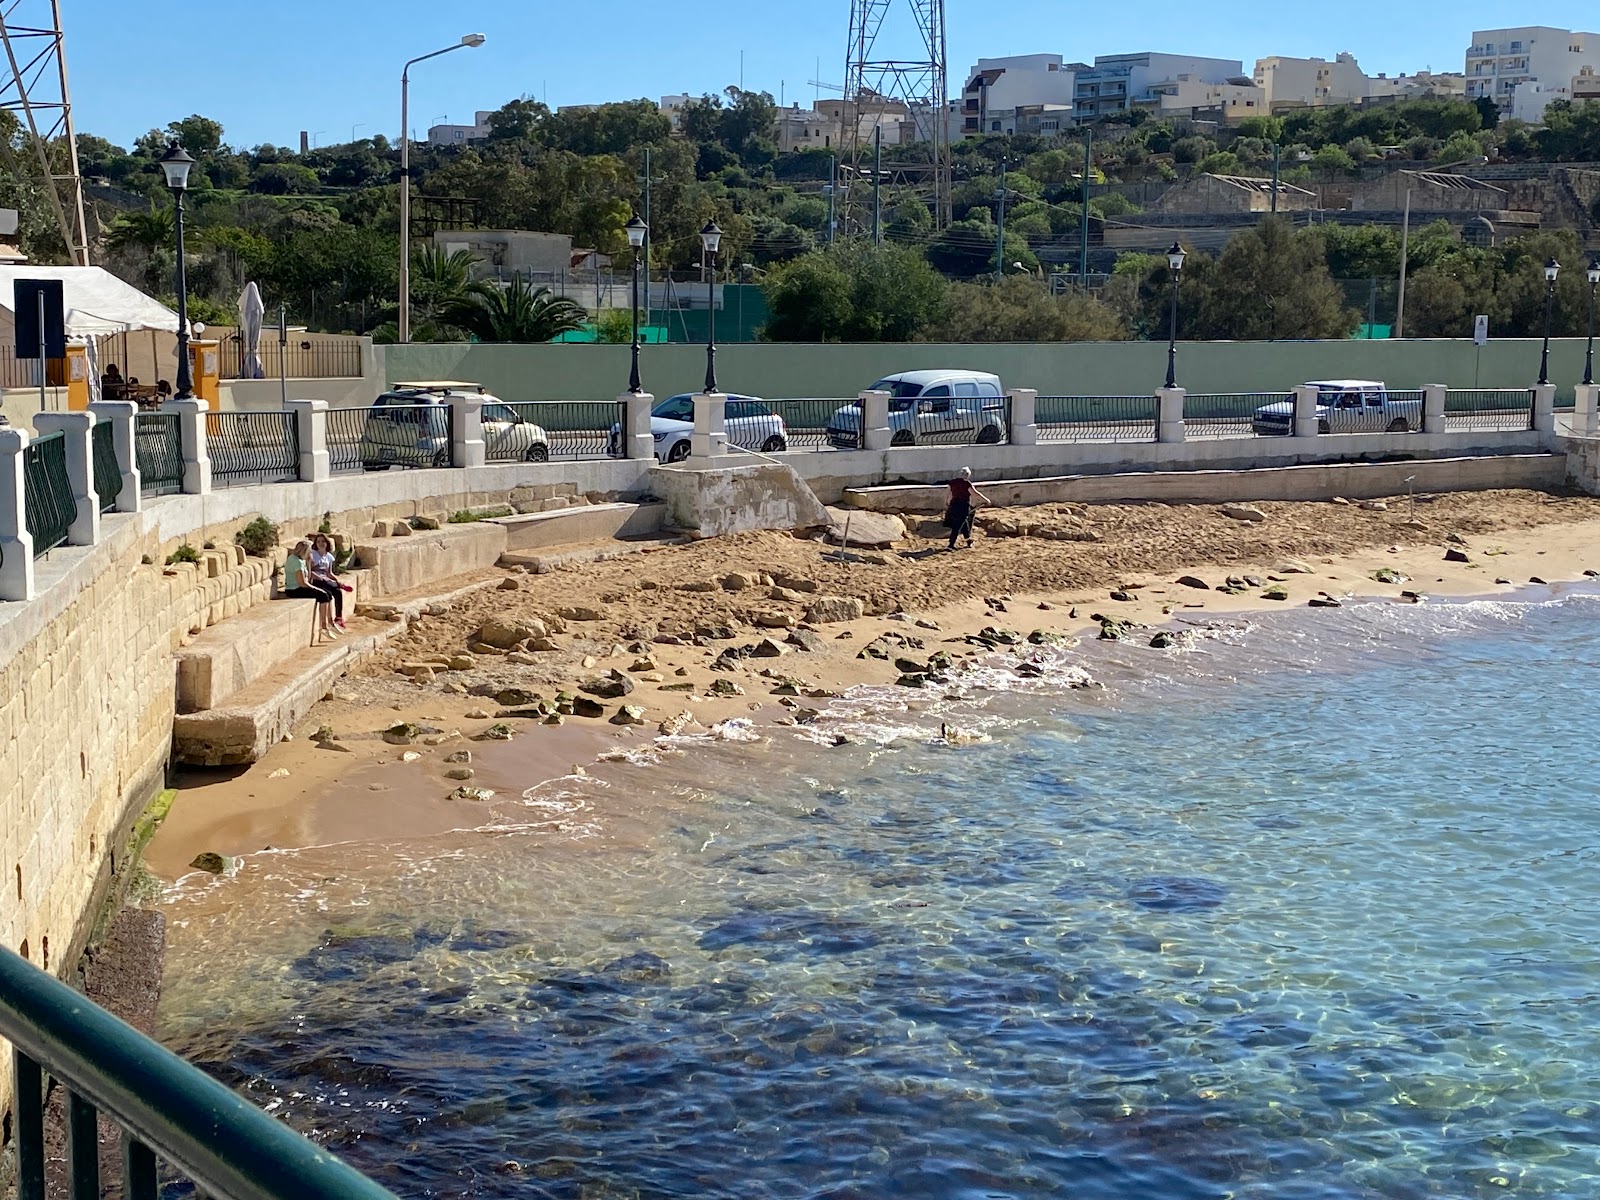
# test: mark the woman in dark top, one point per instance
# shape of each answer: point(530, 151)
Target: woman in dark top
point(958, 516)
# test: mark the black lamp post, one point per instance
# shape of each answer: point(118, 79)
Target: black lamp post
point(637, 230)
point(1594, 283)
point(710, 239)
point(176, 163)
point(1175, 263)
point(1551, 270)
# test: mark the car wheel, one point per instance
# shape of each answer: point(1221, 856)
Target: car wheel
point(1322, 427)
point(989, 435)
point(903, 437)
point(442, 459)
point(538, 452)
point(1399, 425)
point(774, 445)
point(678, 453)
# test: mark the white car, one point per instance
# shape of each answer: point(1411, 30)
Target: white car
point(409, 426)
point(749, 422)
point(932, 408)
point(1344, 406)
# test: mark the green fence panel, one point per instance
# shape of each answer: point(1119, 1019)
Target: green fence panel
point(50, 506)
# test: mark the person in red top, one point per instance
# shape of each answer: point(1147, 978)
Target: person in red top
point(958, 516)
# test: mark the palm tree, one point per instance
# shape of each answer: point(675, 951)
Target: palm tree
point(515, 313)
point(148, 229)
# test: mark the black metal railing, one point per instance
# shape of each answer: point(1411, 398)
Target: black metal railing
point(49, 506)
point(158, 449)
point(1230, 414)
point(1488, 409)
point(346, 430)
point(803, 423)
point(301, 358)
point(1095, 418)
point(252, 447)
point(107, 470)
point(539, 430)
point(167, 1110)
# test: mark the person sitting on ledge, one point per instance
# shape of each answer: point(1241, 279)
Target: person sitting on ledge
point(298, 585)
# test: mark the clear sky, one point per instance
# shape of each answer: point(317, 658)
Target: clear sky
point(267, 71)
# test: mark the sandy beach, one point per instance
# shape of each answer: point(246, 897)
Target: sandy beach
point(665, 620)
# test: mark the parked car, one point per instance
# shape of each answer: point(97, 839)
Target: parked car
point(749, 421)
point(409, 426)
point(1343, 406)
point(931, 408)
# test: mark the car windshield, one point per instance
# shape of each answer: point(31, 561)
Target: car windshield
point(499, 412)
point(898, 389)
point(679, 408)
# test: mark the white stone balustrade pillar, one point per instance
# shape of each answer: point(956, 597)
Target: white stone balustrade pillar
point(1585, 407)
point(16, 543)
point(1169, 414)
point(1544, 407)
point(76, 429)
point(120, 415)
point(875, 431)
point(1433, 398)
point(710, 437)
point(311, 429)
point(1305, 412)
point(191, 415)
point(466, 431)
point(636, 439)
point(1024, 429)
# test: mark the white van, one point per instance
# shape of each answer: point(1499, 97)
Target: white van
point(932, 408)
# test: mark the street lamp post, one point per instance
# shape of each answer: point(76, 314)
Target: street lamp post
point(404, 321)
point(1551, 270)
point(1175, 264)
point(710, 239)
point(176, 164)
point(637, 230)
point(1594, 283)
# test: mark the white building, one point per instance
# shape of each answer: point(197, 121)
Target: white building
point(1311, 82)
point(460, 135)
point(1117, 82)
point(1230, 103)
point(1442, 85)
point(1002, 85)
point(1501, 61)
point(672, 106)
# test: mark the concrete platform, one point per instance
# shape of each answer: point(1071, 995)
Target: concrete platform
point(228, 657)
point(258, 717)
point(404, 564)
point(573, 526)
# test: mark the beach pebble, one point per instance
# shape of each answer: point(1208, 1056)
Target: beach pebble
point(628, 714)
point(460, 756)
point(460, 773)
point(410, 756)
point(1293, 566)
point(509, 584)
point(1243, 512)
point(828, 610)
point(1454, 555)
point(1193, 581)
point(280, 773)
point(472, 793)
point(211, 862)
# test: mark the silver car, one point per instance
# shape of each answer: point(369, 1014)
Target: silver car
point(932, 408)
point(1344, 406)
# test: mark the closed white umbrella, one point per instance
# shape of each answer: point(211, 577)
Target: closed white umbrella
point(251, 311)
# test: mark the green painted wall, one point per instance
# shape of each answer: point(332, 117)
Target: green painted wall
point(593, 372)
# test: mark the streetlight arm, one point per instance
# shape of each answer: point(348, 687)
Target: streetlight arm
point(405, 71)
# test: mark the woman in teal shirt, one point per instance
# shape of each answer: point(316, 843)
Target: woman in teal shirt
point(298, 585)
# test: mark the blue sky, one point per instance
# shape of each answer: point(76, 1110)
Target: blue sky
point(267, 71)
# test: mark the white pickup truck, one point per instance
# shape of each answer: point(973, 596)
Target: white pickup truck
point(1344, 406)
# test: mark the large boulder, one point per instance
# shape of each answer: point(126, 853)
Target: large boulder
point(828, 610)
point(506, 632)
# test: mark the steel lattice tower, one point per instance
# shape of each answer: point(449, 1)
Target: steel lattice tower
point(875, 81)
point(33, 88)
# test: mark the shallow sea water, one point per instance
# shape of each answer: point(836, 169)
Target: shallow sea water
point(1306, 909)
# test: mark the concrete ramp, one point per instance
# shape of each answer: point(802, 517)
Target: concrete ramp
point(709, 503)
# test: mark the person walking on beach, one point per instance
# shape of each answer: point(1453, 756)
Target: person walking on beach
point(958, 515)
point(297, 585)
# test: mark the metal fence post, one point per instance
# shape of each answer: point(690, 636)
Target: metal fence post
point(1433, 398)
point(1024, 404)
point(710, 437)
point(191, 415)
point(76, 429)
point(311, 426)
point(875, 431)
point(466, 431)
point(1169, 414)
point(16, 543)
point(120, 414)
point(1305, 412)
point(636, 439)
point(1543, 416)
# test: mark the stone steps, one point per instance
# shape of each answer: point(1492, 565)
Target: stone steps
point(229, 656)
point(574, 526)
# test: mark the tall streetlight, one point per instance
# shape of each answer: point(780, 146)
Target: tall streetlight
point(1594, 284)
point(710, 239)
point(1551, 270)
point(1175, 264)
point(404, 323)
point(637, 230)
point(176, 164)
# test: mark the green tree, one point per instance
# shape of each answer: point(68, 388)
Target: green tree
point(1332, 158)
point(808, 300)
point(967, 248)
point(200, 136)
point(853, 293)
point(607, 128)
point(515, 313)
point(147, 229)
point(1022, 310)
point(284, 179)
point(518, 121)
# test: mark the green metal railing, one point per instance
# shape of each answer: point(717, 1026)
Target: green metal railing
point(158, 449)
point(107, 470)
point(230, 1149)
point(50, 506)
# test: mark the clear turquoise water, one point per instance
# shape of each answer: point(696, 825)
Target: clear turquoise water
point(1305, 911)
